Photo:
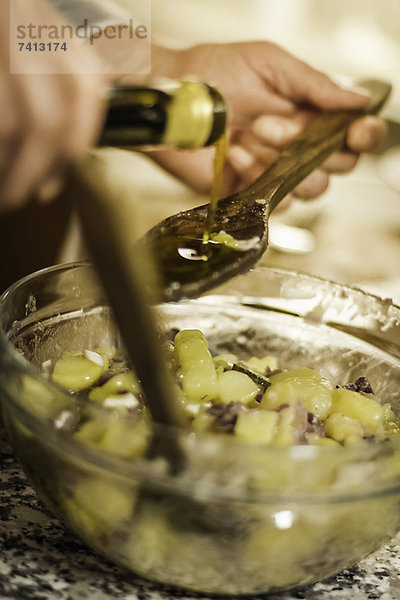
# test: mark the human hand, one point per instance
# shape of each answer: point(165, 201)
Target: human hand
point(271, 96)
point(46, 120)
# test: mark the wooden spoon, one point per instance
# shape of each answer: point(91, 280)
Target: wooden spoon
point(108, 217)
point(189, 267)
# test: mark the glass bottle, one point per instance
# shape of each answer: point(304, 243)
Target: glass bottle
point(183, 114)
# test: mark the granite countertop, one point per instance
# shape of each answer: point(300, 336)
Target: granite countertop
point(40, 559)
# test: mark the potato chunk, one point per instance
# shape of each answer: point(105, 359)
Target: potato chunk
point(257, 426)
point(78, 371)
point(198, 374)
point(343, 429)
point(234, 386)
point(364, 409)
point(305, 385)
point(124, 438)
point(123, 382)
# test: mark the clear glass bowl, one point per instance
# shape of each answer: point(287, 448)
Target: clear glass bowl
point(238, 518)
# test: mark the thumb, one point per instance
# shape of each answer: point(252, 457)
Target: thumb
point(302, 83)
point(322, 92)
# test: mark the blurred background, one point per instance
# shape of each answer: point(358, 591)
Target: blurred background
point(352, 233)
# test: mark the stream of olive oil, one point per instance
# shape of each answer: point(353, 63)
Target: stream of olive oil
point(221, 146)
point(188, 254)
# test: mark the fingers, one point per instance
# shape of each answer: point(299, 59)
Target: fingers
point(193, 168)
point(366, 134)
point(319, 90)
point(50, 188)
point(249, 157)
point(245, 149)
point(245, 164)
point(276, 131)
point(279, 131)
point(312, 186)
point(265, 97)
point(248, 166)
point(340, 162)
point(58, 117)
point(47, 120)
point(269, 134)
point(33, 100)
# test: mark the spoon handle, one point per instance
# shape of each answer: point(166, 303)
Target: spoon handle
point(325, 134)
point(107, 219)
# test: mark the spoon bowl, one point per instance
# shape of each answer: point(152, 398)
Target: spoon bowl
point(189, 267)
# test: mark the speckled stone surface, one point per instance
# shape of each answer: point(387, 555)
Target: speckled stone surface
point(41, 560)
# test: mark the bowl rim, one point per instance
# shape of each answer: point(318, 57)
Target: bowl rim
point(66, 266)
point(141, 470)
